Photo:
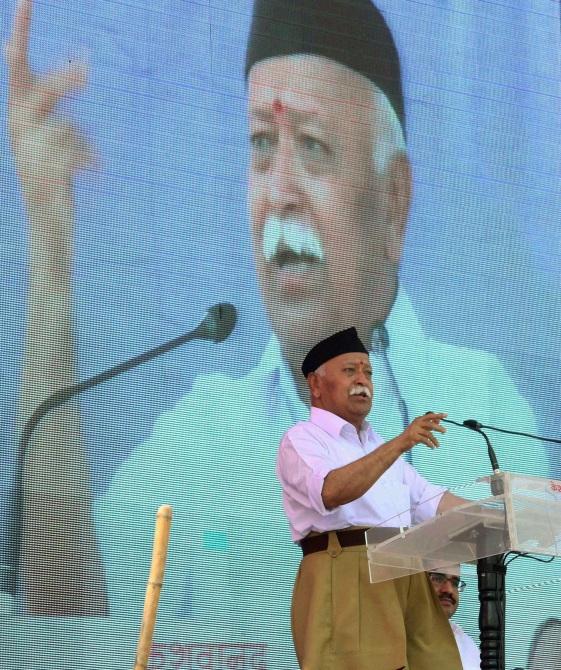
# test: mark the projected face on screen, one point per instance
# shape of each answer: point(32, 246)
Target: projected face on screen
point(328, 195)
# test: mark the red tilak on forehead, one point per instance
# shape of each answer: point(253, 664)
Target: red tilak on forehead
point(278, 107)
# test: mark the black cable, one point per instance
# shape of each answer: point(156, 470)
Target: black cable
point(524, 554)
point(516, 432)
point(460, 425)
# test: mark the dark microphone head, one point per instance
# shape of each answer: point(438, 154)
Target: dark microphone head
point(219, 322)
point(472, 424)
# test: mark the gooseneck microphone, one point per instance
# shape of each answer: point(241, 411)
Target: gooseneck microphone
point(474, 425)
point(491, 570)
point(491, 573)
point(216, 326)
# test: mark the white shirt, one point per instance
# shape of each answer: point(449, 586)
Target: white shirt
point(311, 449)
point(469, 651)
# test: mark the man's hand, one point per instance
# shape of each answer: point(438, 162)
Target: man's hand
point(47, 149)
point(420, 431)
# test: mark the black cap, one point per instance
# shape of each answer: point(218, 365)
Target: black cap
point(344, 342)
point(351, 32)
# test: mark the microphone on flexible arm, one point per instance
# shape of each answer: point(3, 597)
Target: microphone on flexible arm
point(216, 326)
point(474, 425)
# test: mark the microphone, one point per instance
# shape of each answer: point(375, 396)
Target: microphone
point(491, 570)
point(491, 575)
point(216, 326)
point(474, 425)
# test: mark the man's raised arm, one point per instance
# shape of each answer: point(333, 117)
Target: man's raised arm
point(351, 481)
point(61, 569)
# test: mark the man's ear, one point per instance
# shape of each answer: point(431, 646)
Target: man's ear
point(400, 189)
point(313, 384)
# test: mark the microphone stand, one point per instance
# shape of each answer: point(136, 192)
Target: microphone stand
point(491, 575)
point(216, 326)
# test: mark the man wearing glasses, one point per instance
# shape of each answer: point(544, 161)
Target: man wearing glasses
point(448, 589)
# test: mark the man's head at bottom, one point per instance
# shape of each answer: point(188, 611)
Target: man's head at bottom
point(447, 588)
point(339, 376)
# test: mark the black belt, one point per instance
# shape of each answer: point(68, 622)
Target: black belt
point(347, 538)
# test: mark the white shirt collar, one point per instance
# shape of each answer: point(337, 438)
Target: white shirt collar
point(335, 425)
point(402, 324)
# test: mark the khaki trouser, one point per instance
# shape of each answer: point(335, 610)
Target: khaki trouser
point(340, 621)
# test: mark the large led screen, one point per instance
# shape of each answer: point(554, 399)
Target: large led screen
point(145, 178)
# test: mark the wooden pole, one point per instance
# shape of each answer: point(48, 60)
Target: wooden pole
point(154, 586)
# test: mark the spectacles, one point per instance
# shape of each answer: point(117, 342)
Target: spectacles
point(438, 579)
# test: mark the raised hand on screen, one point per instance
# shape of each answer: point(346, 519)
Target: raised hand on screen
point(68, 578)
point(47, 148)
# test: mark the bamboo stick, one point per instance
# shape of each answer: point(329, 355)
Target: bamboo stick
point(154, 586)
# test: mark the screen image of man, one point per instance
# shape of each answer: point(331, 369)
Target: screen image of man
point(329, 194)
point(337, 474)
point(448, 588)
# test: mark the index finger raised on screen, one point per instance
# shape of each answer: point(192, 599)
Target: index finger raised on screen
point(18, 45)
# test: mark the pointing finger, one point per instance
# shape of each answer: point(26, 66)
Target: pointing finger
point(18, 46)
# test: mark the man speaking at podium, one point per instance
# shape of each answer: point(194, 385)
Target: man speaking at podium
point(338, 478)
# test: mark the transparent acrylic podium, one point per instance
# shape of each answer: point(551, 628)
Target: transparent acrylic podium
point(525, 517)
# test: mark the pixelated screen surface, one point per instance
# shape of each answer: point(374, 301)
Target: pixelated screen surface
point(144, 179)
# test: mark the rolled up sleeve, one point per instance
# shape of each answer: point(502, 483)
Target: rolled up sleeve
point(302, 473)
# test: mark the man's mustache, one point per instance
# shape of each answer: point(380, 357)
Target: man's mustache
point(291, 234)
point(360, 389)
